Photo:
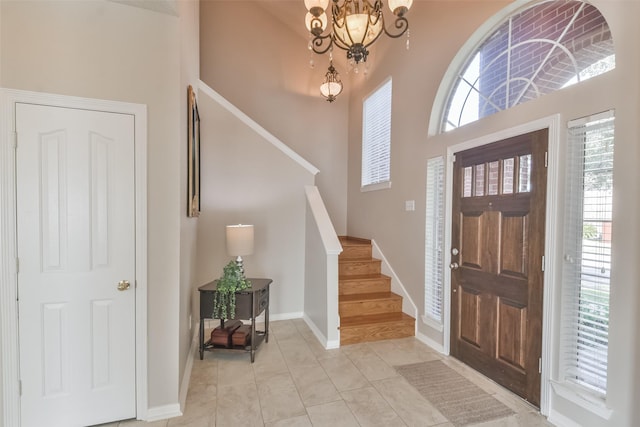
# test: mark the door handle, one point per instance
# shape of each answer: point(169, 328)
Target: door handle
point(454, 266)
point(123, 285)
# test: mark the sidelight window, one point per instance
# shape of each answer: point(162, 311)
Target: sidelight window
point(434, 242)
point(587, 255)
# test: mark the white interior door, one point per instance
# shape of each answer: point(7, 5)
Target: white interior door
point(76, 242)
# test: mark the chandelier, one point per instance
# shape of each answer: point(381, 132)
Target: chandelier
point(356, 24)
point(332, 85)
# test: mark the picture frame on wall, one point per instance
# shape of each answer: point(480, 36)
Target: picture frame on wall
point(193, 155)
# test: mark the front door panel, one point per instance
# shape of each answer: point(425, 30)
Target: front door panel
point(496, 283)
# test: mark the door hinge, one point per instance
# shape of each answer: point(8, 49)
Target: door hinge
point(14, 137)
point(540, 365)
point(20, 387)
point(452, 158)
point(542, 262)
point(546, 159)
point(17, 265)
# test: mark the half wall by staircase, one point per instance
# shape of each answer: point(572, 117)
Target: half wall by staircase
point(321, 272)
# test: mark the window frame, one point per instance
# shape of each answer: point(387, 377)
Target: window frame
point(434, 244)
point(458, 66)
point(568, 384)
point(383, 144)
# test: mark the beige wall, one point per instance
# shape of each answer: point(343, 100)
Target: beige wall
point(261, 65)
point(189, 21)
point(106, 50)
point(438, 30)
point(246, 180)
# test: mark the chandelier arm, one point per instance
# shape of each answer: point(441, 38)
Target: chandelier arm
point(401, 24)
point(319, 41)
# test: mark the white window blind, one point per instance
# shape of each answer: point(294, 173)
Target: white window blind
point(587, 256)
point(434, 240)
point(376, 136)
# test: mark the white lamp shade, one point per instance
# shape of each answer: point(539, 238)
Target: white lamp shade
point(318, 22)
point(322, 4)
point(330, 89)
point(239, 240)
point(394, 4)
point(357, 29)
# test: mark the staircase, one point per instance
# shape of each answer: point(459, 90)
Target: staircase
point(368, 310)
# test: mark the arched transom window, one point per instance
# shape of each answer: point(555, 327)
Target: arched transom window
point(533, 52)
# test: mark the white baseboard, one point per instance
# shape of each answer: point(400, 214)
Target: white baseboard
point(163, 412)
point(186, 377)
point(327, 344)
point(284, 316)
point(431, 343)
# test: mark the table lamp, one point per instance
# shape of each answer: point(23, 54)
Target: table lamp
point(239, 242)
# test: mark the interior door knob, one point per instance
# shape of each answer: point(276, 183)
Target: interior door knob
point(454, 266)
point(123, 285)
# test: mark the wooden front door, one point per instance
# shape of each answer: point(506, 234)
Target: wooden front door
point(499, 197)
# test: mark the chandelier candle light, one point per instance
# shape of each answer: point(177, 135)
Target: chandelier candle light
point(239, 242)
point(356, 24)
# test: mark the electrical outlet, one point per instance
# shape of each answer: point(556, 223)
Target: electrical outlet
point(410, 205)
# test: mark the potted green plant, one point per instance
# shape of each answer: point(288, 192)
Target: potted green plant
point(224, 300)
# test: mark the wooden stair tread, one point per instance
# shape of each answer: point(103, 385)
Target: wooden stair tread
point(357, 277)
point(371, 296)
point(357, 260)
point(374, 319)
point(353, 241)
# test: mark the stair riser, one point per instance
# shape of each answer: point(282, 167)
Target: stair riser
point(356, 252)
point(360, 334)
point(359, 268)
point(351, 287)
point(363, 308)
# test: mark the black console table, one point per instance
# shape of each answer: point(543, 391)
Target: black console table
point(250, 303)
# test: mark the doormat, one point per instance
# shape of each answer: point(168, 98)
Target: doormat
point(458, 399)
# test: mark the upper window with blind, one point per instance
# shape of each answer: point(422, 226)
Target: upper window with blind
point(586, 280)
point(376, 139)
point(536, 51)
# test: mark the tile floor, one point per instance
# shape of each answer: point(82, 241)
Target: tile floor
point(294, 382)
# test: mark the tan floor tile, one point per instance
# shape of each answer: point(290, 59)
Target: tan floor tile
point(519, 420)
point(334, 414)
point(202, 392)
point(137, 423)
point(400, 352)
point(408, 403)
point(370, 408)
point(343, 373)
point(295, 382)
point(301, 421)
point(373, 367)
point(297, 353)
point(314, 385)
point(234, 371)
point(279, 398)
point(264, 369)
point(284, 329)
point(238, 405)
